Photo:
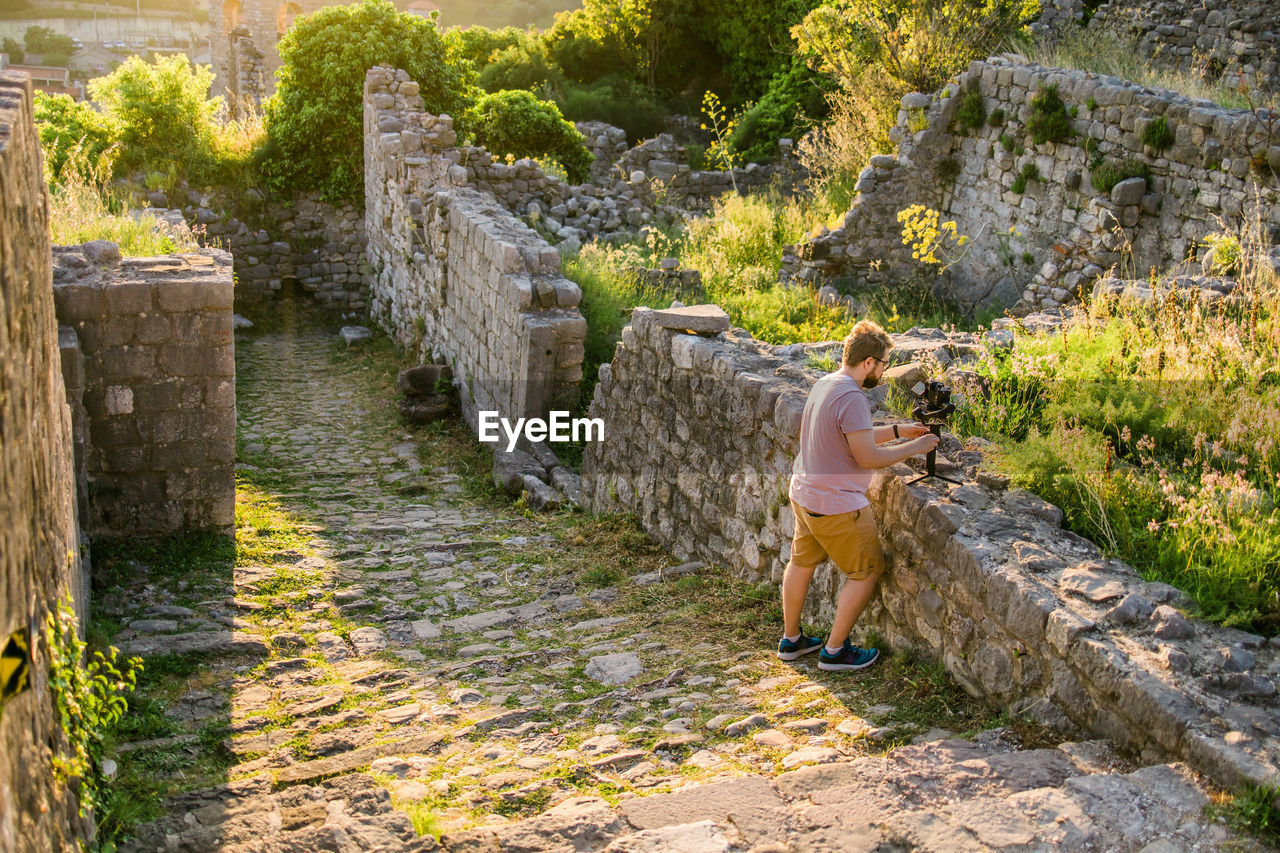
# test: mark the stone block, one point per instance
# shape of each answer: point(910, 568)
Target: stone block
point(704, 319)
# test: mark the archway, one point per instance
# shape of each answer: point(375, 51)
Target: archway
point(230, 15)
point(284, 17)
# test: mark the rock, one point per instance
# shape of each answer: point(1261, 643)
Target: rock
point(355, 334)
point(539, 496)
point(392, 766)
point(1132, 608)
point(916, 101)
point(213, 642)
point(810, 755)
point(1129, 191)
point(101, 252)
point(701, 837)
point(288, 640)
point(745, 725)
point(401, 713)
point(905, 375)
point(426, 410)
point(1170, 624)
point(703, 319)
point(1235, 659)
point(773, 738)
point(477, 622)
point(476, 650)
point(368, 640)
point(241, 322)
point(154, 626)
point(423, 380)
point(615, 668)
point(1240, 683)
point(1087, 580)
point(424, 629)
point(333, 647)
point(1175, 659)
point(510, 467)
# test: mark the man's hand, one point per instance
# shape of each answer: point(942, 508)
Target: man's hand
point(924, 443)
point(912, 430)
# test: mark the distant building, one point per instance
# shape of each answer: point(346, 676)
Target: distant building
point(422, 7)
point(51, 78)
point(94, 61)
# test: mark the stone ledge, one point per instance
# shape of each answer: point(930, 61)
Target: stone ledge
point(701, 437)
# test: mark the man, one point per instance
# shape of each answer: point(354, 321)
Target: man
point(838, 447)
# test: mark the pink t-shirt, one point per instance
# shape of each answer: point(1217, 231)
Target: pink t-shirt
point(825, 478)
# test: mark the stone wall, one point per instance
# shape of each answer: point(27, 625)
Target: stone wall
point(1217, 170)
point(39, 540)
point(455, 277)
point(1209, 38)
point(700, 434)
point(246, 87)
point(262, 22)
point(158, 387)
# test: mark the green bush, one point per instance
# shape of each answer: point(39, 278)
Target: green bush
point(1007, 141)
point(1049, 121)
point(794, 98)
point(1107, 175)
point(43, 40)
point(527, 65)
point(477, 45)
point(996, 117)
point(617, 100)
point(972, 112)
point(948, 169)
point(75, 133)
point(164, 114)
point(1030, 172)
point(14, 49)
point(1157, 135)
point(517, 123)
point(314, 121)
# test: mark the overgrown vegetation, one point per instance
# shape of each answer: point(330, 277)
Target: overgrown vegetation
point(1158, 432)
point(1049, 121)
point(1108, 173)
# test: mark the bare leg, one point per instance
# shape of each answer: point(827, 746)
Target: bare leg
point(795, 586)
point(853, 599)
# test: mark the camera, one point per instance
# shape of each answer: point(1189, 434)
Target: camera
point(933, 400)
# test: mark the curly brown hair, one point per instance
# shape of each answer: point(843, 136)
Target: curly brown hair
point(866, 340)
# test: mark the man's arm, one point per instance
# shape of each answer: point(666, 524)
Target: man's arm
point(862, 444)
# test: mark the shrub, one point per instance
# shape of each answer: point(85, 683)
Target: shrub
point(517, 123)
point(1107, 175)
point(996, 117)
point(1006, 141)
point(948, 169)
point(1157, 134)
point(314, 120)
point(73, 131)
point(163, 113)
point(526, 65)
point(1091, 104)
point(1049, 121)
point(1028, 258)
point(972, 112)
point(14, 49)
point(47, 42)
point(620, 102)
point(794, 98)
point(1030, 172)
point(1227, 253)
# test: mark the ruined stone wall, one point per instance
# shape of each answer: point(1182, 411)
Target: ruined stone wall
point(261, 23)
point(39, 540)
point(700, 435)
point(1210, 38)
point(455, 277)
point(1067, 233)
point(246, 87)
point(158, 387)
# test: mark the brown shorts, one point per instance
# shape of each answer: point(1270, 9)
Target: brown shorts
point(848, 538)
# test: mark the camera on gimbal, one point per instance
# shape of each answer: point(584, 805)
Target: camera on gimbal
point(933, 403)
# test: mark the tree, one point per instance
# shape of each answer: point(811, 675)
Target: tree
point(314, 119)
point(44, 40)
point(15, 51)
point(517, 123)
point(163, 110)
point(73, 134)
point(917, 43)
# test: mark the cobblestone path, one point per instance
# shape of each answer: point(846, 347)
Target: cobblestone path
point(397, 659)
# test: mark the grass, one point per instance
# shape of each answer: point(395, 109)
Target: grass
point(80, 212)
point(1107, 52)
point(1157, 430)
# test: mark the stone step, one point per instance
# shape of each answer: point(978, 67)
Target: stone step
point(944, 796)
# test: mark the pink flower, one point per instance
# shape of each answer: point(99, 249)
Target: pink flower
point(1153, 525)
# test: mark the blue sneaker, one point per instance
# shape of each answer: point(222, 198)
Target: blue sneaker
point(849, 657)
point(788, 650)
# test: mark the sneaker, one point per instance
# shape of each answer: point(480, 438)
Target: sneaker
point(849, 657)
point(788, 650)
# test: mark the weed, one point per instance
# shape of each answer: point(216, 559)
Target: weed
point(948, 170)
point(1048, 121)
point(1007, 141)
point(1108, 174)
point(1157, 135)
point(972, 111)
point(995, 118)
